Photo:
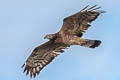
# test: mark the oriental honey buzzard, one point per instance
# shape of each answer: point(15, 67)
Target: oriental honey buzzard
point(70, 34)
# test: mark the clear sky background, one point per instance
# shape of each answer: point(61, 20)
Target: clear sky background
point(24, 23)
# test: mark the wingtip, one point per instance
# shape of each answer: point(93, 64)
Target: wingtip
point(101, 11)
point(93, 8)
point(23, 65)
point(84, 8)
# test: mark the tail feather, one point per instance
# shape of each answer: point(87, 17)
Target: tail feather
point(95, 44)
point(91, 43)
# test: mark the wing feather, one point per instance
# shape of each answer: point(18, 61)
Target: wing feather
point(41, 56)
point(78, 23)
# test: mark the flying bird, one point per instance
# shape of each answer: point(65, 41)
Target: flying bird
point(70, 34)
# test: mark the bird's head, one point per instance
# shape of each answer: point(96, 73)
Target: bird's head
point(50, 36)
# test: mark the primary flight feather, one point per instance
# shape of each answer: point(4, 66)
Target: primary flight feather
point(70, 34)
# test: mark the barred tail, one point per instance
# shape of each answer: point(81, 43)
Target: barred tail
point(91, 43)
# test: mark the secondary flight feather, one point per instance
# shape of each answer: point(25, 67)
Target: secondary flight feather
point(70, 34)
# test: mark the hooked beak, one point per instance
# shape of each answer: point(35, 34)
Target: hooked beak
point(45, 37)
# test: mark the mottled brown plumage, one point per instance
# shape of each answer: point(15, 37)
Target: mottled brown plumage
point(70, 34)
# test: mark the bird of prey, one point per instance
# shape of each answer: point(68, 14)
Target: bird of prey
point(70, 34)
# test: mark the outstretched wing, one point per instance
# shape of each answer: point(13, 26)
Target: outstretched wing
point(41, 56)
point(78, 23)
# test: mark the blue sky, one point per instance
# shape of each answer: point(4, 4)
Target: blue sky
point(24, 23)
